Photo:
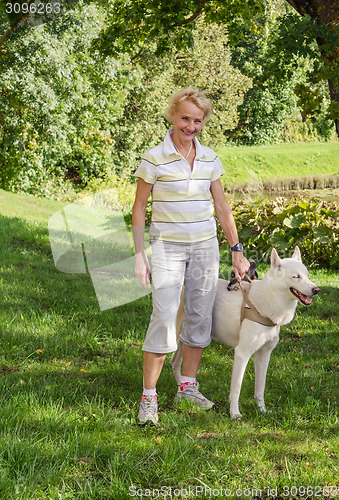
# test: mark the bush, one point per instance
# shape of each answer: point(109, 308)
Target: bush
point(59, 104)
point(313, 225)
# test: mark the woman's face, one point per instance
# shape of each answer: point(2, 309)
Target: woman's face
point(187, 121)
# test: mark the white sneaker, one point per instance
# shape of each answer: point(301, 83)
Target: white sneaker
point(148, 411)
point(191, 393)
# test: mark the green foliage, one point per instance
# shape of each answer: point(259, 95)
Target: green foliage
point(304, 43)
point(296, 39)
point(59, 106)
point(207, 66)
point(280, 87)
point(124, 190)
point(296, 130)
point(133, 25)
point(313, 225)
point(69, 114)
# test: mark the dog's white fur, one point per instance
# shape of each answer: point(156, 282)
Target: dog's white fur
point(273, 298)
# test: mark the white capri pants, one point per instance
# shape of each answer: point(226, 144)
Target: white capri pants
point(196, 265)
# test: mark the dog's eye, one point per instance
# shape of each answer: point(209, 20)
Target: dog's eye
point(297, 276)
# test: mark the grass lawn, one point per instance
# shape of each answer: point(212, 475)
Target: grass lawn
point(71, 380)
point(283, 161)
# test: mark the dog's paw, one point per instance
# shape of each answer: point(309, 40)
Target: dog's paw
point(263, 410)
point(261, 405)
point(268, 412)
point(236, 416)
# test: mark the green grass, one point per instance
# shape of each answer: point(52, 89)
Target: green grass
point(257, 164)
point(72, 375)
point(28, 207)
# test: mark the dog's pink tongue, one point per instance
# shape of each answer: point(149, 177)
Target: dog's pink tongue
point(306, 299)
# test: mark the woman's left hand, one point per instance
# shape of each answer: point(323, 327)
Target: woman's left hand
point(240, 265)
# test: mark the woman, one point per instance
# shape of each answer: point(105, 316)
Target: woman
point(181, 174)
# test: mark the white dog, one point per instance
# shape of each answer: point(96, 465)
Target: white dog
point(249, 320)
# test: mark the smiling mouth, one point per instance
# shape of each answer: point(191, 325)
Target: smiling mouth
point(304, 299)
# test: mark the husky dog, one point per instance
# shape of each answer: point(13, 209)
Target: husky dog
point(249, 320)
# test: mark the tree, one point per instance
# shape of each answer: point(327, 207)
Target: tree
point(280, 59)
point(59, 103)
point(69, 112)
point(207, 65)
point(319, 23)
point(270, 101)
point(133, 24)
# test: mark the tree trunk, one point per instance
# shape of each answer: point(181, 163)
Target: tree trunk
point(324, 11)
point(334, 94)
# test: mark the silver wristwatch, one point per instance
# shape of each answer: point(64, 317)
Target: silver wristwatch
point(237, 248)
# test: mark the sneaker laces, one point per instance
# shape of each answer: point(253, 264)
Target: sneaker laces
point(149, 401)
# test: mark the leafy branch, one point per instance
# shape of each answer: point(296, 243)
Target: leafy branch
point(15, 24)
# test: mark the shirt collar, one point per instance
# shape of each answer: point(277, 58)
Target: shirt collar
point(169, 147)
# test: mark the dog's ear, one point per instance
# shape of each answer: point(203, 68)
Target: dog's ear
point(275, 259)
point(296, 254)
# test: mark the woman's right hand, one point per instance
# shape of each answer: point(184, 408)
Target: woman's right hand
point(142, 269)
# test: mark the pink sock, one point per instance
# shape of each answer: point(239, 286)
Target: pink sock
point(145, 396)
point(185, 385)
point(185, 382)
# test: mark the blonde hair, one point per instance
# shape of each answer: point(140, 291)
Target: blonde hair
point(190, 94)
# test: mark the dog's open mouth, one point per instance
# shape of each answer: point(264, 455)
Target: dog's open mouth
point(304, 299)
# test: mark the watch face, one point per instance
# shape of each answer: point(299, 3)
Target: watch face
point(237, 248)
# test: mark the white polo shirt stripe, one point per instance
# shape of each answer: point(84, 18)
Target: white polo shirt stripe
point(182, 210)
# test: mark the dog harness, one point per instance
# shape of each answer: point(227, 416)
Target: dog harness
point(248, 311)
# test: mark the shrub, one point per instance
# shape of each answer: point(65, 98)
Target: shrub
point(312, 224)
point(59, 103)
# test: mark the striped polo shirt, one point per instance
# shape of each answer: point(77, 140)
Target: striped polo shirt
point(182, 209)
